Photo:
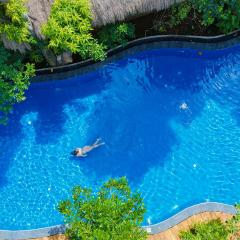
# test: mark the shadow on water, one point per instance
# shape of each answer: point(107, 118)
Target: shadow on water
point(48, 99)
point(223, 86)
point(10, 137)
point(135, 119)
point(5, 161)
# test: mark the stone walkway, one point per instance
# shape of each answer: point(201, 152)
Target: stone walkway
point(172, 233)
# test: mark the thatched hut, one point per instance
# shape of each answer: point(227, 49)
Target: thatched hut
point(111, 11)
point(104, 12)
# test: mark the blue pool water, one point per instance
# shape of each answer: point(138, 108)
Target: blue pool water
point(171, 122)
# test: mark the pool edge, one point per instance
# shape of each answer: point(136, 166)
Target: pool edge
point(151, 229)
point(144, 40)
point(189, 212)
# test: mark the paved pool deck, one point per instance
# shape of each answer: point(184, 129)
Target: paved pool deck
point(172, 233)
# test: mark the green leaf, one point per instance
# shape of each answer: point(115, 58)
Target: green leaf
point(14, 80)
point(69, 29)
point(112, 213)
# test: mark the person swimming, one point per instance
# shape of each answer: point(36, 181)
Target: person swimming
point(82, 152)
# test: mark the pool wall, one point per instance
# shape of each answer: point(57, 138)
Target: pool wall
point(166, 41)
point(151, 229)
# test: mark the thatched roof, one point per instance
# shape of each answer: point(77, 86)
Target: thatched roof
point(111, 11)
point(104, 12)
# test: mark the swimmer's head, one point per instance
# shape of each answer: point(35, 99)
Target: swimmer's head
point(75, 152)
point(183, 106)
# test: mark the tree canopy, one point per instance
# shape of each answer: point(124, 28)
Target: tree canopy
point(113, 213)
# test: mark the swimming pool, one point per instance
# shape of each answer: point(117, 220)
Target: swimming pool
point(170, 119)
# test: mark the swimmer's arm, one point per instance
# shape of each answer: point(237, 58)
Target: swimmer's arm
point(84, 155)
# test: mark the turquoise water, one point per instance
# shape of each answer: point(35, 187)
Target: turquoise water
point(171, 122)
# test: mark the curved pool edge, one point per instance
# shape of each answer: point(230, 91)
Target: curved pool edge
point(151, 229)
point(189, 212)
point(185, 39)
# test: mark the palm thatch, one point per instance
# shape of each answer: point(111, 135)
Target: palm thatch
point(111, 11)
point(104, 12)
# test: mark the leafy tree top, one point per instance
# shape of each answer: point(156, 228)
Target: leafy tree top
point(13, 21)
point(116, 34)
point(113, 213)
point(14, 80)
point(69, 29)
point(223, 13)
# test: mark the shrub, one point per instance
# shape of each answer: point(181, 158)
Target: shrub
point(13, 22)
point(113, 213)
point(116, 34)
point(212, 230)
point(178, 13)
point(233, 226)
point(215, 229)
point(14, 80)
point(69, 29)
point(224, 13)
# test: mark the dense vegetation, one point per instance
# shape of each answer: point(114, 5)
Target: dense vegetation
point(13, 22)
point(214, 230)
point(14, 75)
point(114, 35)
point(223, 15)
point(14, 80)
point(69, 29)
point(113, 213)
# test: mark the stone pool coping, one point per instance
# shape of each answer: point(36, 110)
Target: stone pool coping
point(151, 229)
point(205, 42)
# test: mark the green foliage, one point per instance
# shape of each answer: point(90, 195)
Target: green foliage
point(13, 22)
point(178, 13)
point(223, 13)
point(212, 230)
point(36, 54)
point(232, 225)
point(113, 213)
point(14, 80)
point(215, 229)
point(69, 29)
point(116, 34)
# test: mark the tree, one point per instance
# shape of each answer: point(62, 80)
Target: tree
point(225, 14)
point(14, 80)
point(69, 29)
point(13, 21)
point(113, 213)
point(116, 34)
